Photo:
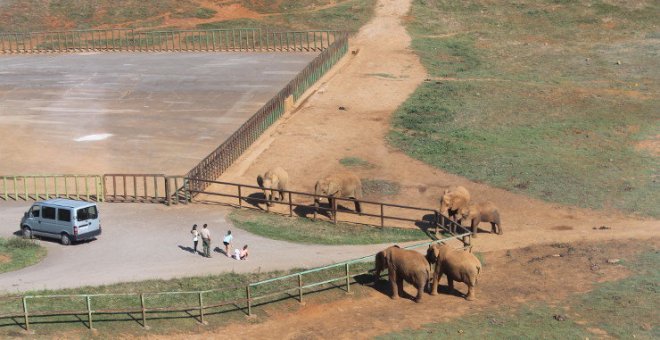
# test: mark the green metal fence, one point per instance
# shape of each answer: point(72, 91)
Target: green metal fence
point(86, 308)
point(239, 39)
point(38, 187)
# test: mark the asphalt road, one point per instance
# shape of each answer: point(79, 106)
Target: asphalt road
point(130, 112)
point(144, 241)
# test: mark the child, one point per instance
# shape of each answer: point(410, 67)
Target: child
point(244, 253)
point(227, 242)
point(195, 234)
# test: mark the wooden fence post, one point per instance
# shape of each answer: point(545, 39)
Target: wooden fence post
point(201, 308)
point(382, 215)
point(25, 313)
point(240, 201)
point(144, 312)
point(334, 210)
point(300, 288)
point(290, 206)
point(249, 300)
point(348, 280)
point(89, 311)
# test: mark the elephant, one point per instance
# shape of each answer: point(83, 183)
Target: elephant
point(482, 212)
point(275, 179)
point(403, 264)
point(452, 200)
point(458, 265)
point(343, 184)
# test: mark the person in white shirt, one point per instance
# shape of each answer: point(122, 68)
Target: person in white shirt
point(227, 242)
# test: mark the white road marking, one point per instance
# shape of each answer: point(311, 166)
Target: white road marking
point(93, 138)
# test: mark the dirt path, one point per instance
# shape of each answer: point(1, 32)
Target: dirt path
point(310, 142)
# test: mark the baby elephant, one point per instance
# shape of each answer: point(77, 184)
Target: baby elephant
point(482, 212)
point(275, 179)
point(403, 264)
point(458, 265)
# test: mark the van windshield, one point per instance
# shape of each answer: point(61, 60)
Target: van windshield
point(88, 213)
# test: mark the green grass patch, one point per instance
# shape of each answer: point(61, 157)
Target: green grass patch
point(380, 187)
point(199, 13)
point(535, 102)
point(303, 230)
point(622, 309)
point(382, 75)
point(17, 253)
point(355, 162)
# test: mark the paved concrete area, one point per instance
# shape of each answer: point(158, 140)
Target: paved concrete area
point(129, 112)
point(144, 241)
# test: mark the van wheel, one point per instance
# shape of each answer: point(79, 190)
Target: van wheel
point(65, 240)
point(27, 232)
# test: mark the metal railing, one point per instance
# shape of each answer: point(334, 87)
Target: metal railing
point(211, 167)
point(234, 40)
point(236, 298)
point(38, 187)
point(373, 213)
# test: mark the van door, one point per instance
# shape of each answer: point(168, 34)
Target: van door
point(47, 223)
point(64, 221)
point(87, 219)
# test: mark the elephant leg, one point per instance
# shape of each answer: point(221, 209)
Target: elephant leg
point(358, 208)
point(393, 284)
point(420, 289)
point(331, 203)
point(436, 280)
point(498, 227)
point(399, 283)
point(450, 283)
point(471, 295)
point(475, 228)
point(270, 199)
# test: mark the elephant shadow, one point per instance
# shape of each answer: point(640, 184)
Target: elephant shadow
point(427, 225)
point(444, 290)
point(323, 209)
point(382, 285)
point(255, 199)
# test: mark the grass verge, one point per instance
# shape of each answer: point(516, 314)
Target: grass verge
point(17, 253)
point(303, 230)
point(553, 99)
point(619, 309)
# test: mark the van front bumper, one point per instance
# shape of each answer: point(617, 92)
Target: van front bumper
point(87, 236)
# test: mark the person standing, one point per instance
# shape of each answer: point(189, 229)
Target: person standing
point(195, 235)
point(206, 240)
point(227, 242)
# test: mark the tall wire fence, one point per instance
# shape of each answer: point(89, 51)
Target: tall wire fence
point(234, 40)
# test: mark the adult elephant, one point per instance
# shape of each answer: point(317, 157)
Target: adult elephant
point(458, 265)
point(403, 264)
point(452, 201)
point(342, 185)
point(274, 180)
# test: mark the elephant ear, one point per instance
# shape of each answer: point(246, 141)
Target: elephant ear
point(260, 181)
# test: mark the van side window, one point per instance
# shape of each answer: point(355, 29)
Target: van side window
point(89, 213)
point(64, 215)
point(36, 210)
point(49, 213)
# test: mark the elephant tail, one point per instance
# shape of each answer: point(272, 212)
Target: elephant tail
point(476, 280)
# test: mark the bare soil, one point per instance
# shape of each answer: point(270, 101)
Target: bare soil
point(510, 278)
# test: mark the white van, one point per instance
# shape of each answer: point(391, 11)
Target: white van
point(63, 219)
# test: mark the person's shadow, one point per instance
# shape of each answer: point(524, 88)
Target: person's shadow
point(190, 250)
point(219, 250)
